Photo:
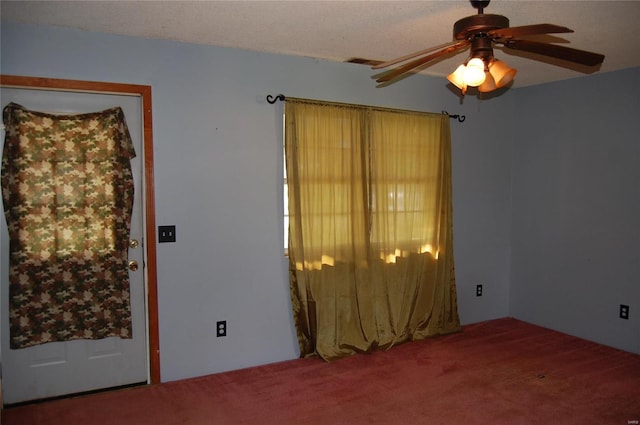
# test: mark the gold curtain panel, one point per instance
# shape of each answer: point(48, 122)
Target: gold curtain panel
point(370, 226)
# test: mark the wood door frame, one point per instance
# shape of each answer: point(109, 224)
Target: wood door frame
point(144, 92)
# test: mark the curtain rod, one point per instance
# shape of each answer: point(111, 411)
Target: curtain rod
point(273, 99)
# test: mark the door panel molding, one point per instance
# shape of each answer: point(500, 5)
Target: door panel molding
point(144, 92)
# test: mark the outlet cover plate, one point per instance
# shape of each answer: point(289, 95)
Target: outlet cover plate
point(624, 311)
point(221, 328)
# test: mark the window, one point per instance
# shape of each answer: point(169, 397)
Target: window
point(367, 174)
point(285, 202)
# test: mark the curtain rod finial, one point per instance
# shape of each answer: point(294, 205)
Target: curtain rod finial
point(273, 100)
point(460, 118)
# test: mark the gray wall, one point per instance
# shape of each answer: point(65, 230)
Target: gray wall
point(218, 165)
point(576, 207)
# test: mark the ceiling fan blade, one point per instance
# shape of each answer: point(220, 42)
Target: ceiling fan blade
point(421, 61)
point(412, 55)
point(560, 52)
point(525, 30)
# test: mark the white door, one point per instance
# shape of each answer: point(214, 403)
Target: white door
point(60, 368)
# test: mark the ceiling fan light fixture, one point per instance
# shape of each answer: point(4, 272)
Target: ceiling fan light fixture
point(501, 72)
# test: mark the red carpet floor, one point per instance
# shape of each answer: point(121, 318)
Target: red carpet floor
point(498, 372)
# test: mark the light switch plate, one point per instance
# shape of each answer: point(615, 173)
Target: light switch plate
point(166, 234)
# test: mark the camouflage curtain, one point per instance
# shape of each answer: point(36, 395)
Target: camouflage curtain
point(67, 190)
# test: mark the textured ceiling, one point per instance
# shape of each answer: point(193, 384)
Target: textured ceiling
point(342, 30)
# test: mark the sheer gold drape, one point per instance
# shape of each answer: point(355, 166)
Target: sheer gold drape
point(370, 226)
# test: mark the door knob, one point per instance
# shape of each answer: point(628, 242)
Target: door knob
point(133, 265)
point(133, 243)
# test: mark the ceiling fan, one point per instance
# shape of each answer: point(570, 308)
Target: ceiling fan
point(480, 33)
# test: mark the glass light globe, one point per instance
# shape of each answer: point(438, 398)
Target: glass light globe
point(501, 73)
point(457, 78)
point(474, 72)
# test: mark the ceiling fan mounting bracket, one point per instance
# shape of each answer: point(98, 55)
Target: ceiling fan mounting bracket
point(467, 27)
point(480, 4)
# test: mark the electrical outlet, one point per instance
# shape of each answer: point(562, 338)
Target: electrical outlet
point(221, 328)
point(624, 311)
point(478, 290)
point(166, 234)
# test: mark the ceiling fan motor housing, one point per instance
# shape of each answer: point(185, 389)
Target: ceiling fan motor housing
point(481, 46)
point(466, 28)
